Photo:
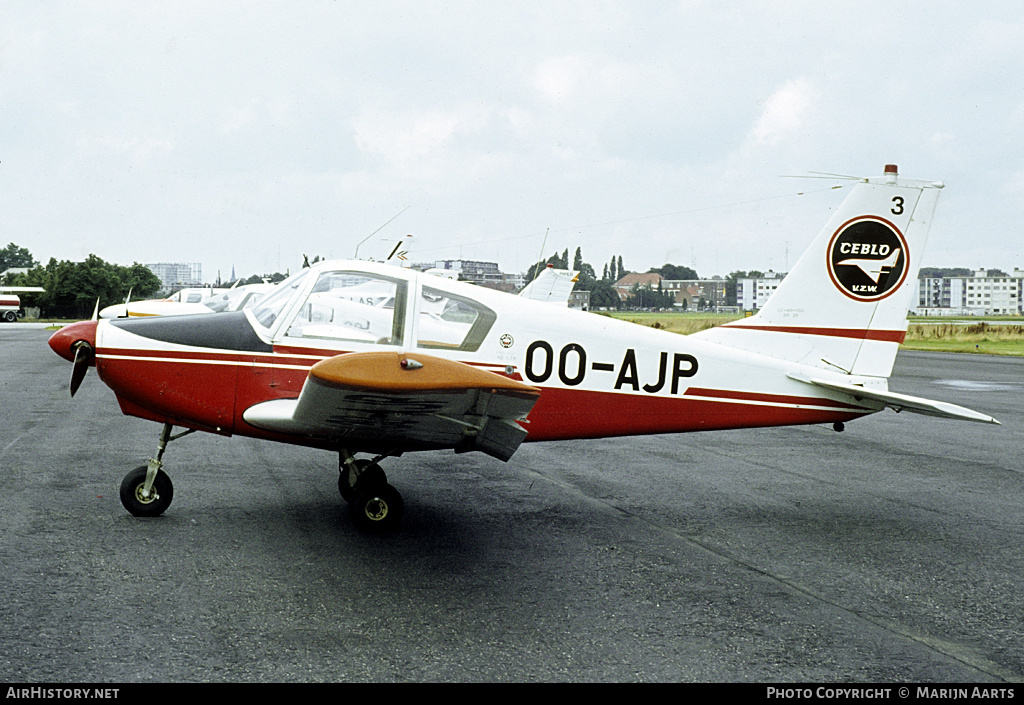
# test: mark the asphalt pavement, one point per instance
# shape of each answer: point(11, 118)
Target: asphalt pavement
point(891, 552)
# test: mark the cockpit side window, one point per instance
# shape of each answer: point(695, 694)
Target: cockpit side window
point(354, 307)
point(451, 322)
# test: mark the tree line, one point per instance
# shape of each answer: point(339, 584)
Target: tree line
point(73, 288)
point(602, 289)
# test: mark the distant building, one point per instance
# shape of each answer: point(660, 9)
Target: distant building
point(480, 273)
point(752, 293)
point(689, 294)
point(693, 294)
point(175, 275)
point(624, 287)
point(980, 294)
point(580, 300)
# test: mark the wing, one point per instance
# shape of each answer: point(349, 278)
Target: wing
point(404, 401)
point(901, 402)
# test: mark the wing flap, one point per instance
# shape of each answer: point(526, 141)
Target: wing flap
point(406, 400)
point(900, 402)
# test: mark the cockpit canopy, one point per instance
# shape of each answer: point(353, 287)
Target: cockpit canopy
point(348, 303)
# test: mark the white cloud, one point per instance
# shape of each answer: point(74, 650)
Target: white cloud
point(785, 112)
point(314, 122)
point(413, 135)
point(558, 78)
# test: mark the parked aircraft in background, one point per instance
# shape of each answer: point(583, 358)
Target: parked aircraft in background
point(551, 285)
point(234, 299)
point(358, 357)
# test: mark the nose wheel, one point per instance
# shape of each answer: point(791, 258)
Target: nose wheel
point(141, 501)
point(147, 490)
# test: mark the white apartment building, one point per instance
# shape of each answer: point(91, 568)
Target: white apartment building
point(976, 295)
point(174, 275)
point(751, 294)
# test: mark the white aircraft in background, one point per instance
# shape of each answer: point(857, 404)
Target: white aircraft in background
point(234, 299)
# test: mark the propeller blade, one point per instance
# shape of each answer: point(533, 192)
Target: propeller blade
point(127, 300)
point(83, 358)
point(96, 311)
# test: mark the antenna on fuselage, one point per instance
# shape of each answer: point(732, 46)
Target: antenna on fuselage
point(356, 256)
point(540, 260)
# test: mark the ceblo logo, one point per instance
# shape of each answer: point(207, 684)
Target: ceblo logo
point(867, 258)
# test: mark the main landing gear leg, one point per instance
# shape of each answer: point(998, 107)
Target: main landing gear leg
point(147, 491)
point(374, 505)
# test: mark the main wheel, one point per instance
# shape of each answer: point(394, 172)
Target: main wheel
point(370, 475)
point(139, 504)
point(10, 316)
point(377, 510)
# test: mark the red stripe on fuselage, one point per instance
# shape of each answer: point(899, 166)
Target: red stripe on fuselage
point(211, 390)
point(888, 336)
point(563, 414)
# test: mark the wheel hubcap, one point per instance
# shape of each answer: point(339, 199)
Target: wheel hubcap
point(376, 509)
point(145, 497)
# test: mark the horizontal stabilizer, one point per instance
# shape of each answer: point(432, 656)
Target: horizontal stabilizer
point(901, 402)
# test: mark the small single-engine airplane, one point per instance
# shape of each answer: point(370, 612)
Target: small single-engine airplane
point(360, 357)
point(234, 299)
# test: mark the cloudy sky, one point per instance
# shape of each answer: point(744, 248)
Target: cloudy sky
point(246, 134)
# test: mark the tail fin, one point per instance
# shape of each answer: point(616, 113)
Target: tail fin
point(551, 285)
point(843, 307)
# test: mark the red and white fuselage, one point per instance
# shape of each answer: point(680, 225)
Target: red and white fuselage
point(819, 352)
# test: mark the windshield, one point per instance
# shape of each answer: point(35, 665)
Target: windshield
point(352, 306)
point(236, 299)
point(269, 308)
point(217, 303)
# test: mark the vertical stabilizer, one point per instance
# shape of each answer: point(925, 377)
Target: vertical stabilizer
point(552, 286)
point(843, 306)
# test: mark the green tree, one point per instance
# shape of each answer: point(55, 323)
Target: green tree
point(275, 278)
point(74, 288)
point(14, 256)
point(938, 272)
point(675, 272)
point(559, 262)
point(647, 297)
point(603, 295)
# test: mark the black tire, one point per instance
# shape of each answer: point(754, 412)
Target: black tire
point(370, 475)
point(377, 510)
point(156, 504)
point(10, 316)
